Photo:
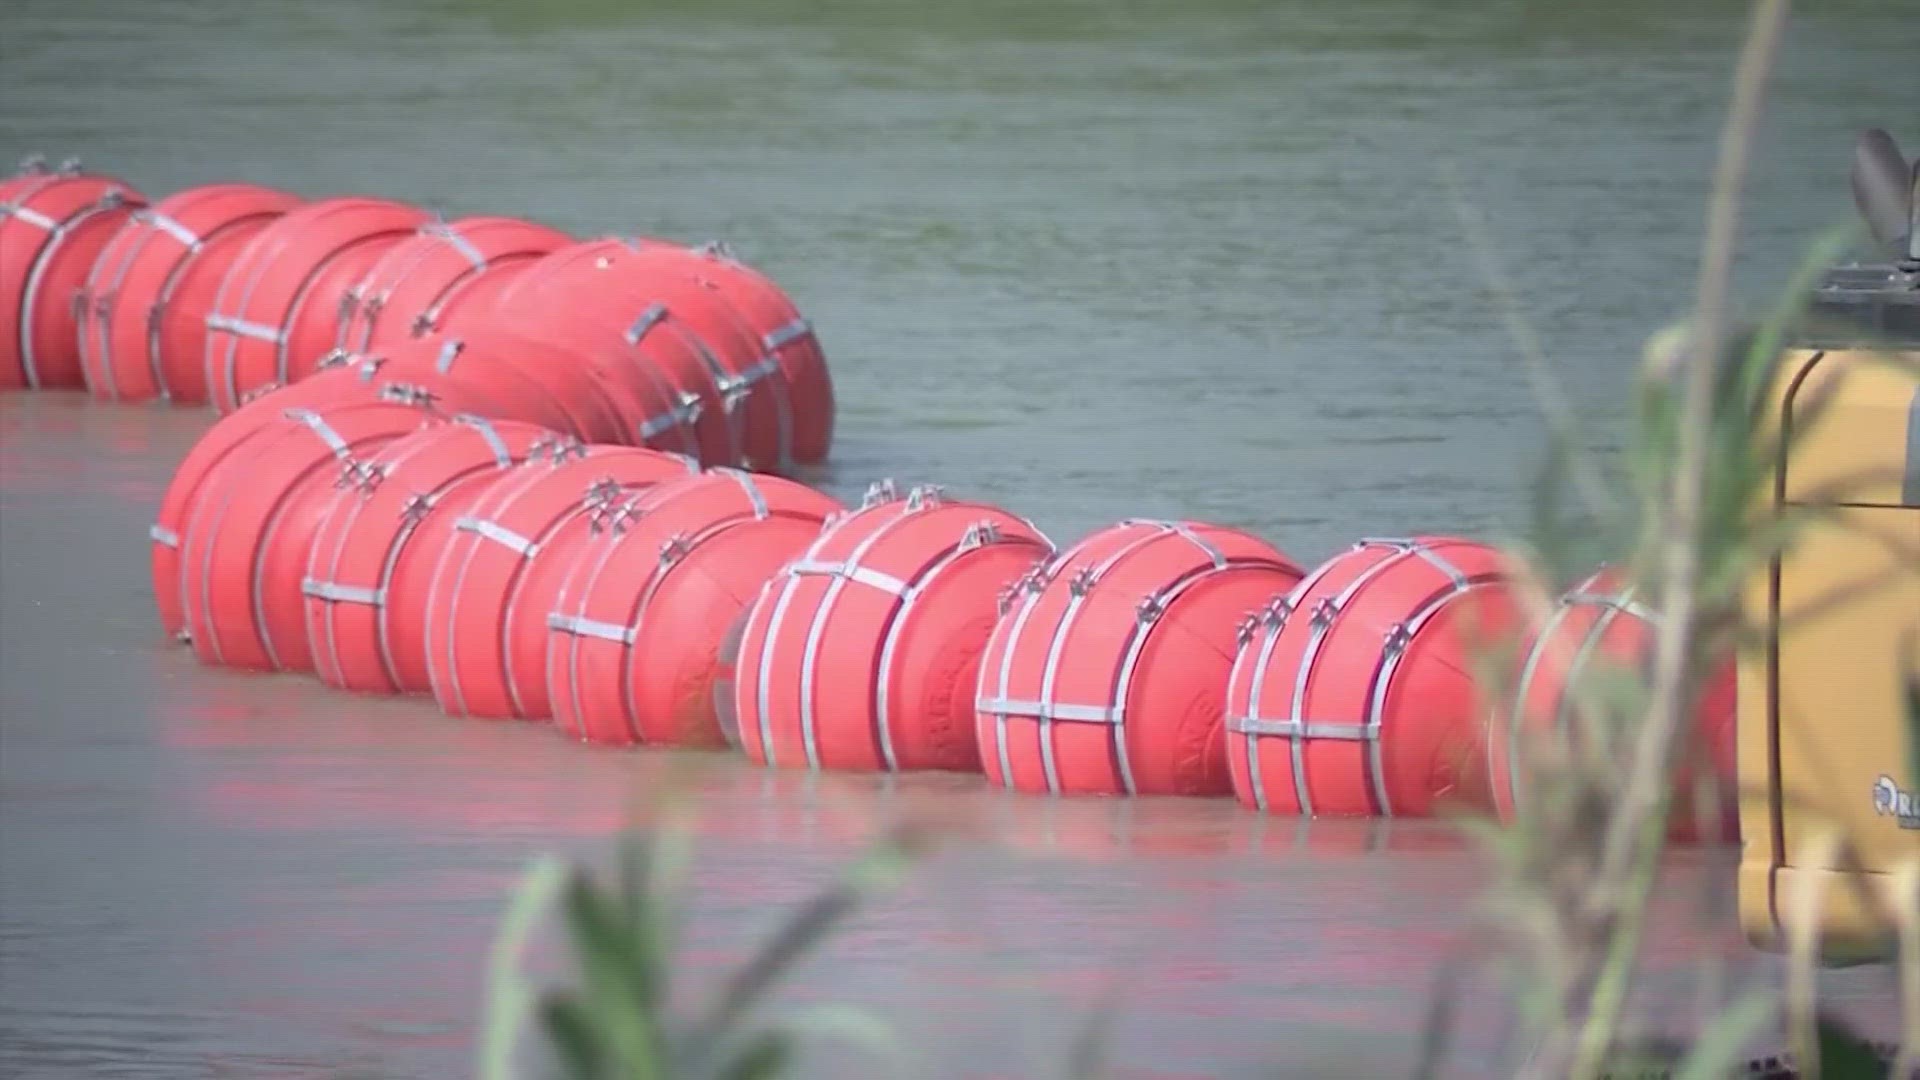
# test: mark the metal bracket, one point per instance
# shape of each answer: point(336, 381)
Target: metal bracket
point(980, 534)
point(674, 548)
point(1082, 581)
point(878, 492)
point(923, 496)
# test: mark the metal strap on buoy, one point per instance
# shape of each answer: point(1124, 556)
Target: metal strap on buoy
point(1582, 595)
point(156, 315)
point(236, 327)
point(878, 493)
point(1046, 710)
point(978, 534)
point(505, 537)
point(688, 406)
point(94, 301)
point(918, 499)
point(672, 550)
point(780, 337)
point(1299, 729)
point(440, 230)
point(113, 199)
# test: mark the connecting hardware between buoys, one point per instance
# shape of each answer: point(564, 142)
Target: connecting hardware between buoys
point(1107, 670)
point(481, 567)
point(371, 527)
point(634, 640)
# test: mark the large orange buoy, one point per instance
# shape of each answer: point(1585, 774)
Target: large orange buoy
point(634, 635)
point(477, 580)
point(278, 309)
point(784, 333)
point(1354, 693)
point(53, 226)
point(866, 654)
point(1602, 615)
point(247, 544)
point(1106, 671)
point(164, 259)
point(177, 505)
point(693, 365)
point(368, 527)
point(406, 292)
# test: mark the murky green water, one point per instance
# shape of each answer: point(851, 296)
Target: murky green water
point(1089, 260)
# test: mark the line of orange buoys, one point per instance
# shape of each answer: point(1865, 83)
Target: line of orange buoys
point(542, 478)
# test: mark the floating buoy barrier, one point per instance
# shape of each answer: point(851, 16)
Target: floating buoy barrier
point(635, 636)
point(863, 653)
point(1107, 669)
point(480, 570)
point(53, 226)
point(366, 532)
point(537, 476)
point(1602, 620)
point(426, 280)
point(1353, 693)
point(142, 313)
point(247, 544)
point(279, 306)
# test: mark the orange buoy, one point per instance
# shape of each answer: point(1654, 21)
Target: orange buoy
point(406, 291)
point(369, 526)
point(53, 225)
point(866, 653)
point(224, 439)
point(1353, 694)
point(784, 333)
point(632, 637)
point(1106, 671)
point(475, 585)
point(1602, 615)
point(134, 311)
point(247, 544)
point(278, 308)
point(691, 363)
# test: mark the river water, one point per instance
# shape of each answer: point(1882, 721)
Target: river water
point(1088, 260)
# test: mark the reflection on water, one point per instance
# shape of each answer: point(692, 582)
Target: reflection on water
point(1087, 260)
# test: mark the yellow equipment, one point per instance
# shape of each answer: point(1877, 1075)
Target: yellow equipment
point(1823, 735)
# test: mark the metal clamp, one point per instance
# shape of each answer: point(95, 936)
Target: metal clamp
point(674, 548)
point(923, 497)
point(980, 534)
point(333, 358)
point(334, 592)
point(878, 492)
point(1082, 581)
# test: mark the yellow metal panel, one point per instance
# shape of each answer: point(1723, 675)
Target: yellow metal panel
point(1853, 418)
point(1849, 627)
point(1822, 727)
